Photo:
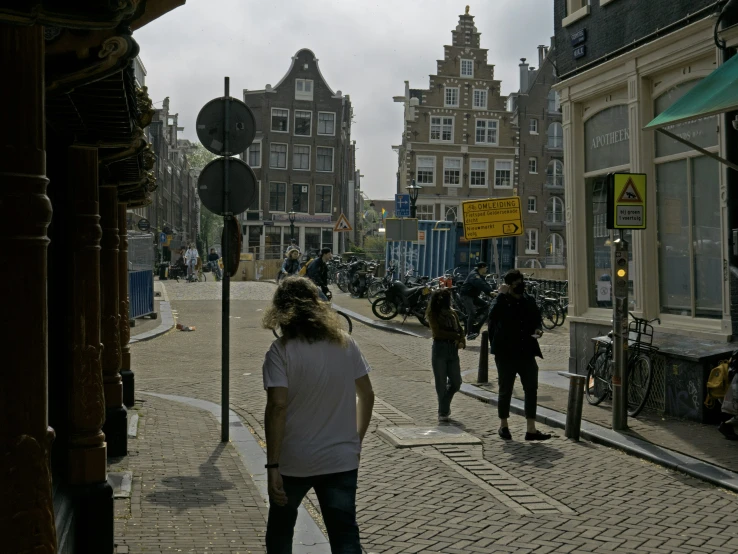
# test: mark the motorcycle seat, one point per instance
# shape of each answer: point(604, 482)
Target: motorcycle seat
point(405, 290)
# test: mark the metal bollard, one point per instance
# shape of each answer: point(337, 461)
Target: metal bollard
point(483, 372)
point(574, 405)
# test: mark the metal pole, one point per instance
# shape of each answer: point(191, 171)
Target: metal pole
point(483, 371)
point(620, 335)
point(574, 406)
point(497, 258)
point(226, 311)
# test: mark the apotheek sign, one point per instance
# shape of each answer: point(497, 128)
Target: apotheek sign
point(607, 139)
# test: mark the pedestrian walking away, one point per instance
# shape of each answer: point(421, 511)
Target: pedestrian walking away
point(314, 425)
point(317, 272)
point(514, 329)
point(448, 338)
point(474, 285)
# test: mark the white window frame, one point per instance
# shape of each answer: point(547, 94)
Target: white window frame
point(533, 165)
point(417, 166)
point(333, 160)
point(330, 204)
point(481, 91)
point(461, 172)
point(486, 173)
point(531, 240)
point(446, 91)
point(302, 94)
point(556, 125)
point(533, 127)
point(286, 155)
point(293, 185)
point(248, 154)
point(420, 212)
point(441, 126)
point(552, 177)
point(461, 68)
point(317, 128)
point(556, 102)
point(486, 131)
point(535, 205)
point(497, 163)
point(310, 152)
point(294, 123)
point(271, 120)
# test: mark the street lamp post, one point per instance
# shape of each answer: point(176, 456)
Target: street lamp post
point(292, 225)
point(413, 190)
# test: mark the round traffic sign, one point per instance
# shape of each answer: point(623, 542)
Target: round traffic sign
point(242, 184)
point(143, 224)
point(210, 126)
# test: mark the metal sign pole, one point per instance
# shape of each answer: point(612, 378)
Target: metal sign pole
point(620, 335)
point(226, 311)
point(497, 257)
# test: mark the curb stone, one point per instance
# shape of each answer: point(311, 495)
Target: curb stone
point(167, 319)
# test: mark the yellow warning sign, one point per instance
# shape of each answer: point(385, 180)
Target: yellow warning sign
point(629, 201)
point(342, 224)
point(492, 218)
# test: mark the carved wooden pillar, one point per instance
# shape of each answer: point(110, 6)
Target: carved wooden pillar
point(115, 427)
point(124, 301)
point(26, 508)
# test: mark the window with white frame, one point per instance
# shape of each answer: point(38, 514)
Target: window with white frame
point(486, 131)
point(452, 97)
point(426, 212)
point(467, 68)
point(503, 174)
point(304, 89)
point(278, 156)
point(325, 159)
point(300, 197)
point(451, 172)
point(452, 213)
point(554, 104)
point(533, 165)
point(323, 199)
point(479, 99)
point(555, 136)
point(425, 170)
point(533, 127)
point(532, 204)
point(326, 123)
point(442, 129)
point(300, 157)
point(303, 123)
point(531, 241)
point(555, 174)
point(277, 196)
point(254, 154)
point(478, 173)
point(280, 120)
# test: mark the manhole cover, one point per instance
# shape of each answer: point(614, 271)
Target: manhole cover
point(405, 437)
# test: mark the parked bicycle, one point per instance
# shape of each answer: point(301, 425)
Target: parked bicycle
point(639, 368)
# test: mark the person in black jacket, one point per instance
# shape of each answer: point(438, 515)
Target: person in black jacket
point(514, 329)
point(474, 285)
point(317, 272)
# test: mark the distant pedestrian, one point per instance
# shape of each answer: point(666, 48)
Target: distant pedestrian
point(291, 265)
point(448, 338)
point(514, 329)
point(474, 285)
point(213, 259)
point(314, 425)
point(292, 246)
point(191, 259)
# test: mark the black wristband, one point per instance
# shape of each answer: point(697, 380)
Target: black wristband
point(271, 466)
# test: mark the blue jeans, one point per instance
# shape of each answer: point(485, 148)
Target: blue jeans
point(337, 497)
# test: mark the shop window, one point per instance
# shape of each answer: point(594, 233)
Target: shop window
point(312, 239)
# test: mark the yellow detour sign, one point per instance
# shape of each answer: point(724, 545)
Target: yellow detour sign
point(492, 218)
point(627, 201)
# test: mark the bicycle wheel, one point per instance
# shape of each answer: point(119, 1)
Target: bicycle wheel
point(346, 323)
point(374, 289)
point(640, 377)
point(342, 281)
point(560, 316)
point(201, 277)
point(548, 315)
point(597, 385)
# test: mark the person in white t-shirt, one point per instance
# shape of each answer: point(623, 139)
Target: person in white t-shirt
point(314, 425)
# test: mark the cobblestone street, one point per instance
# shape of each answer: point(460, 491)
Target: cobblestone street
point(190, 493)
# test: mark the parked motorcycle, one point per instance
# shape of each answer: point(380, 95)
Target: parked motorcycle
point(400, 299)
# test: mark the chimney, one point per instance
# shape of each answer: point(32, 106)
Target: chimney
point(542, 51)
point(523, 76)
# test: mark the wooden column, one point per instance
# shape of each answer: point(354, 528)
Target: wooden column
point(124, 302)
point(26, 509)
point(115, 427)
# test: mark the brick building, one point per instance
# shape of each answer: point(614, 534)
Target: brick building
point(458, 141)
point(304, 162)
point(539, 167)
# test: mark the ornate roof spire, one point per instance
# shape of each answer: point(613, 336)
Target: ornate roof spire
point(466, 34)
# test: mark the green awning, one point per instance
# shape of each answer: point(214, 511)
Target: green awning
point(715, 94)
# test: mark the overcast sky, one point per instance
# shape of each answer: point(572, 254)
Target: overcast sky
point(365, 48)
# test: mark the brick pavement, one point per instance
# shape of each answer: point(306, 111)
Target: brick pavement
point(422, 500)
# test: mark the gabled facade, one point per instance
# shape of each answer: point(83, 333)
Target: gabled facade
point(303, 160)
point(458, 141)
point(540, 178)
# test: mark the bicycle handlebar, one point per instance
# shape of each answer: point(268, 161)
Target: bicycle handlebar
point(647, 321)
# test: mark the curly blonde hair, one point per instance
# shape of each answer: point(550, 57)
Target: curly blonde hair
point(299, 313)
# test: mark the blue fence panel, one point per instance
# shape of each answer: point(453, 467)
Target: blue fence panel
point(432, 255)
point(140, 293)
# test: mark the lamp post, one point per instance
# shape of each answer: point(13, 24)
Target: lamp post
point(413, 190)
point(292, 225)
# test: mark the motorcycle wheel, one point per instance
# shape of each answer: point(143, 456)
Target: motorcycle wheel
point(384, 309)
point(423, 320)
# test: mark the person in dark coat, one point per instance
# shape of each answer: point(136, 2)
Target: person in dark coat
point(474, 285)
point(515, 326)
point(317, 272)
